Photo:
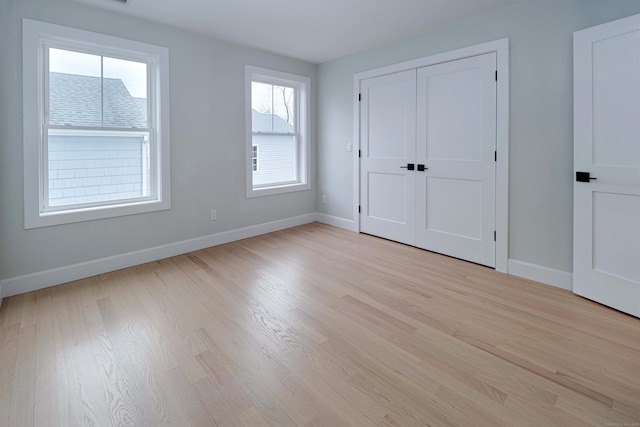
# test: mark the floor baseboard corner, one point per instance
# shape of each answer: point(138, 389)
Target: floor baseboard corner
point(548, 276)
point(336, 221)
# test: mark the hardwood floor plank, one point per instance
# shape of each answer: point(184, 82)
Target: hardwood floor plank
point(315, 326)
point(70, 393)
point(46, 388)
point(188, 399)
point(9, 339)
point(11, 312)
point(23, 385)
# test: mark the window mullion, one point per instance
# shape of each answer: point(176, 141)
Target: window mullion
point(102, 90)
point(273, 107)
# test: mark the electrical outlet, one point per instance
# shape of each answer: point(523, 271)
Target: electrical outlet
point(214, 215)
point(324, 199)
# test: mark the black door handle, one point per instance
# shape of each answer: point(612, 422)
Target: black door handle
point(410, 166)
point(421, 168)
point(584, 177)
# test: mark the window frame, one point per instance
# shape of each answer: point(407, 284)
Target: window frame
point(255, 153)
point(302, 87)
point(38, 37)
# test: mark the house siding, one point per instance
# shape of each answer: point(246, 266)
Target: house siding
point(276, 159)
point(87, 169)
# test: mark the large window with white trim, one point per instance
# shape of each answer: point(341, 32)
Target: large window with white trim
point(101, 147)
point(277, 132)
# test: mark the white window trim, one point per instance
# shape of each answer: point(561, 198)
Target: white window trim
point(303, 91)
point(34, 35)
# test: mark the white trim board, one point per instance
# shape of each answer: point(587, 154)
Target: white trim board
point(335, 221)
point(501, 47)
point(56, 276)
point(548, 276)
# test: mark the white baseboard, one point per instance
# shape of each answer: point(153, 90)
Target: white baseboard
point(336, 221)
point(549, 276)
point(56, 276)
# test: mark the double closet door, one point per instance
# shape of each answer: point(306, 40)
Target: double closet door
point(427, 161)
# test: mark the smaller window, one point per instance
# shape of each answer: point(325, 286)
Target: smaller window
point(277, 122)
point(254, 159)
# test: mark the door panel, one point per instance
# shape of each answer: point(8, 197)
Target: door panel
point(616, 226)
point(385, 201)
point(456, 140)
point(454, 207)
point(388, 104)
point(606, 134)
point(614, 135)
point(453, 97)
point(387, 120)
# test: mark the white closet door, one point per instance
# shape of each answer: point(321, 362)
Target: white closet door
point(606, 245)
point(387, 142)
point(456, 140)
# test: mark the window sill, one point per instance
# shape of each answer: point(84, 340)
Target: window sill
point(46, 219)
point(280, 189)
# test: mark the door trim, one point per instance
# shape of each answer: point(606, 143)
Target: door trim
point(501, 48)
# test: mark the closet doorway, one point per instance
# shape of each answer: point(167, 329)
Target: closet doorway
point(428, 150)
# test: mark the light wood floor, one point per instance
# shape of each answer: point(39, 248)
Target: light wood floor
point(315, 326)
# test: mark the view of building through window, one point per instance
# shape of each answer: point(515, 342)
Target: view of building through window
point(98, 129)
point(274, 130)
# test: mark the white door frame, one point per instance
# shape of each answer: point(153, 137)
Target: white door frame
point(501, 47)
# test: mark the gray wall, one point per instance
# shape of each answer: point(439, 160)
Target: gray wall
point(541, 114)
point(207, 144)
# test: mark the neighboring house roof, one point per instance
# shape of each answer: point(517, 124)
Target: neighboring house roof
point(76, 100)
point(261, 122)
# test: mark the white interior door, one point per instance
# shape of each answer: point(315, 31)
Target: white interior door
point(387, 143)
point(456, 143)
point(606, 263)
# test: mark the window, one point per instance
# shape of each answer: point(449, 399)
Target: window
point(101, 105)
point(254, 159)
point(278, 123)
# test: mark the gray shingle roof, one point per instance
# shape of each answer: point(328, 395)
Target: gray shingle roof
point(261, 122)
point(75, 100)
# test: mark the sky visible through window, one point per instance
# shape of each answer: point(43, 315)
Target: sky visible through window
point(273, 99)
point(133, 74)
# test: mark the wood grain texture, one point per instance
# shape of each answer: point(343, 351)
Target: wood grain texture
point(315, 326)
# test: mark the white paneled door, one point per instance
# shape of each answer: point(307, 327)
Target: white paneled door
point(427, 168)
point(606, 262)
point(387, 145)
point(456, 143)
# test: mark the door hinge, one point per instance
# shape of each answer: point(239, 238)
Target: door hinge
point(359, 209)
point(495, 236)
point(495, 156)
point(496, 75)
point(359, 153)
point(359, 97)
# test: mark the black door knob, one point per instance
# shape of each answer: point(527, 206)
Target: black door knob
point(584, 177)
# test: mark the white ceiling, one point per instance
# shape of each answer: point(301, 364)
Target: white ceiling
point(313, 30)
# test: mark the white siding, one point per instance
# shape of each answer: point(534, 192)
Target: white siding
point(86, 169)
point(276, 159)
